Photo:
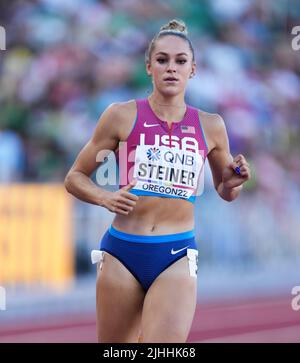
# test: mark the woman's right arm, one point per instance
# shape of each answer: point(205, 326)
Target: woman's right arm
point(77, 182)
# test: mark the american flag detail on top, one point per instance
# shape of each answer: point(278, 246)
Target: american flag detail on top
point(188, 129)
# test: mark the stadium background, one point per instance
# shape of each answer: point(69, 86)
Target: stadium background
point(64, 63)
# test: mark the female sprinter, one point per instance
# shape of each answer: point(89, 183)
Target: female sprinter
point(146, 282)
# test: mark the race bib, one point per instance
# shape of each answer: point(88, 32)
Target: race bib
point(165, 170)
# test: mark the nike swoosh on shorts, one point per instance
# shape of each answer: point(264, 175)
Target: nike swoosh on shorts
point(174, 252)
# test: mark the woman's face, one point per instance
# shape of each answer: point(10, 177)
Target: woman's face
point(171, 65)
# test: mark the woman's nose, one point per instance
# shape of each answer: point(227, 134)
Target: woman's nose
point(171, 67)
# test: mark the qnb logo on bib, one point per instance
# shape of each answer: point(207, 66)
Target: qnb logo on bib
point(153, 153)
point(170, 171)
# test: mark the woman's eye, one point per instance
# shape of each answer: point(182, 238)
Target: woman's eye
point(179, 61)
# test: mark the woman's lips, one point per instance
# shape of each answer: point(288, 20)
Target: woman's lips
point(170, 80)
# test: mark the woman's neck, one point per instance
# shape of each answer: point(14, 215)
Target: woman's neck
point(170, 109)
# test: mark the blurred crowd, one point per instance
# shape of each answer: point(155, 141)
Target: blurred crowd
point(66, 61)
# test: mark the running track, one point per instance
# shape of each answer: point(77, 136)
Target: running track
point(254, 320)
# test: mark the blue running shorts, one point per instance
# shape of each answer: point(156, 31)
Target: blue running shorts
point(146, 257)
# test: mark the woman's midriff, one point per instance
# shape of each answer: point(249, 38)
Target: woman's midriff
point(157, 216)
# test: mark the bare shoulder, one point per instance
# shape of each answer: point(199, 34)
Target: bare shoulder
point(122, 109)
point(211, 121)
point(118, 118)
point(213, 127)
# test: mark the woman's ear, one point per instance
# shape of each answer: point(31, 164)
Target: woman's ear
point(193, 71)
point(148, 69)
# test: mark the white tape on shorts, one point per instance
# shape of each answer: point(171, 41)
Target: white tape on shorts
point(97, 257)
point(192, 256)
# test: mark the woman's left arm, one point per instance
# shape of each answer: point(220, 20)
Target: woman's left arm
point(229, 174)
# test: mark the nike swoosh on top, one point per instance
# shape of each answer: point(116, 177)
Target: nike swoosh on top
point(150, 125)
point(174, 252)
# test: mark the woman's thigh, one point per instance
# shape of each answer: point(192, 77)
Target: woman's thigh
point(119, 301)
point(169, 305)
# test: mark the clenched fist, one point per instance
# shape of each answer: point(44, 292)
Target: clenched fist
point(121, 201)
point(237, 172)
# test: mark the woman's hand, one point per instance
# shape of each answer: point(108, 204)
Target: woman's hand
point(120, 202)
point(237, 172)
